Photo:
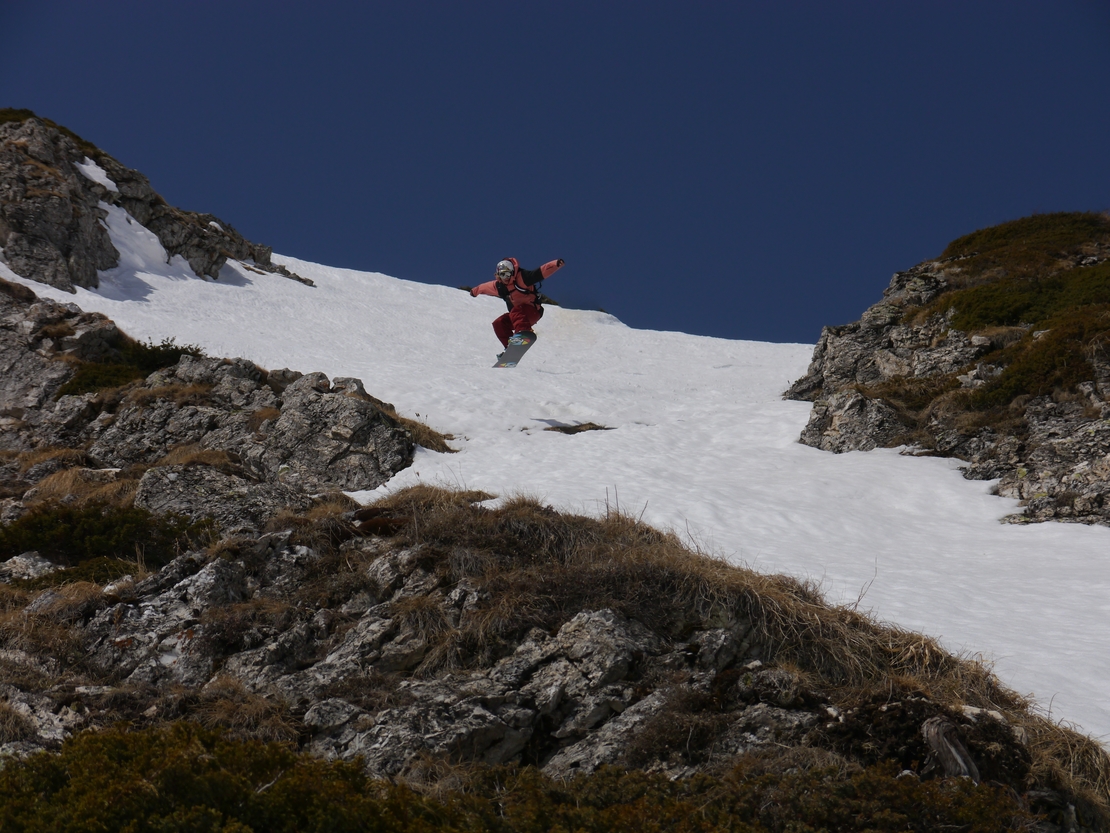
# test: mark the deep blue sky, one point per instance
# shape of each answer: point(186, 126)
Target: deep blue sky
point(745, 170)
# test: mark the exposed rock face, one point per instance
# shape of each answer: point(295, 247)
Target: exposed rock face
point(50, 227)
point(52, 186)
point(256, 443)
point(592, 693)
point(879, 347)
point(1057, 462)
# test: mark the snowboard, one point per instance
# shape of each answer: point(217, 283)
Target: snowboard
point(518, 346)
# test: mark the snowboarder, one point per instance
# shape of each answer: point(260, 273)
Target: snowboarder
point(520, 288)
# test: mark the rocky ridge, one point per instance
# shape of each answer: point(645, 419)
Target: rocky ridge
point(894, 378)
point(53, 186)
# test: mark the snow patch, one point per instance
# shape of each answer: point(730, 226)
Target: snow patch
point(96, 173)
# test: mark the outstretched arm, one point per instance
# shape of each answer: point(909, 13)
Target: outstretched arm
point(488, 288)
point(531, 276)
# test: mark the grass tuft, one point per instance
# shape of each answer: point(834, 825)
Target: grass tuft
point(135, 360)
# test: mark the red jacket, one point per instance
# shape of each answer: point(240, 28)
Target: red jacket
point(522, 288)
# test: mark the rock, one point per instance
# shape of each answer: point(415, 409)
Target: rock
point(324, 439)
point(50, 228)
point(1057, 462)
point(27, 565)
point(949, 752)
point(238, 506)
point(52, 197)
point(609, 744)
point(850, 421)
point(318, 438)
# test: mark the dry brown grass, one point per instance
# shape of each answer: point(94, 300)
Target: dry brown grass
point(85, 487)
point(539, 567)
point(332, 505)
point(260, 416)
point(231, 628)
point(70, 603)
point(322, 526)
point(227, 704)
point(194, 454)
point(13, 598)
point(422, 434)
point(61, 329)
point(179, 394)
point(14, 726)
point(67, 457)
point(543, 567)
point(18, 291)
point(427, 437)
point(1068, 759)
point(54, 628)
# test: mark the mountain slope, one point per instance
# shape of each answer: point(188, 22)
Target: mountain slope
point(702, 444)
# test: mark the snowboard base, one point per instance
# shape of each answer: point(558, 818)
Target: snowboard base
point(518, 346)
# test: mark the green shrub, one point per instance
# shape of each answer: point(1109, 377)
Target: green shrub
point(74, 535)
point(1029, 247)
point(1019, 276)
point(94, 376)
point(1030, 301)
point(136, 360)
point(1054, 361)
point(185, 778)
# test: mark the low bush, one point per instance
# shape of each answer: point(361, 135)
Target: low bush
point(71, 535)
point(134, 360)
point(1031, 247)
point(185, 778)
point(1052, 361)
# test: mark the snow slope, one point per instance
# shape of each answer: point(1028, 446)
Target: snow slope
point(701, 443)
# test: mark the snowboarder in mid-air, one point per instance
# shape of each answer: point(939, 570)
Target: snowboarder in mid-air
point(520, 289)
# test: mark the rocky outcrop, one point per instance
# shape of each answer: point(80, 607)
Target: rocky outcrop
point(879, 382)
point(203, 438)
point(880, 346)
point(50, 220)
point(354, 676)
point(53, 187)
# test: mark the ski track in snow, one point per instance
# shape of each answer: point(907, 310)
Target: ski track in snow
point(702, 444)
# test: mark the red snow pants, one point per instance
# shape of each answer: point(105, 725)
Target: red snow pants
point(522, 317)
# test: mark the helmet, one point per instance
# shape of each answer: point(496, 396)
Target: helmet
point(505, 270)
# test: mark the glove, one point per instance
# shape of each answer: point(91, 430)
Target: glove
point(560, 262)
point(474, 293)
